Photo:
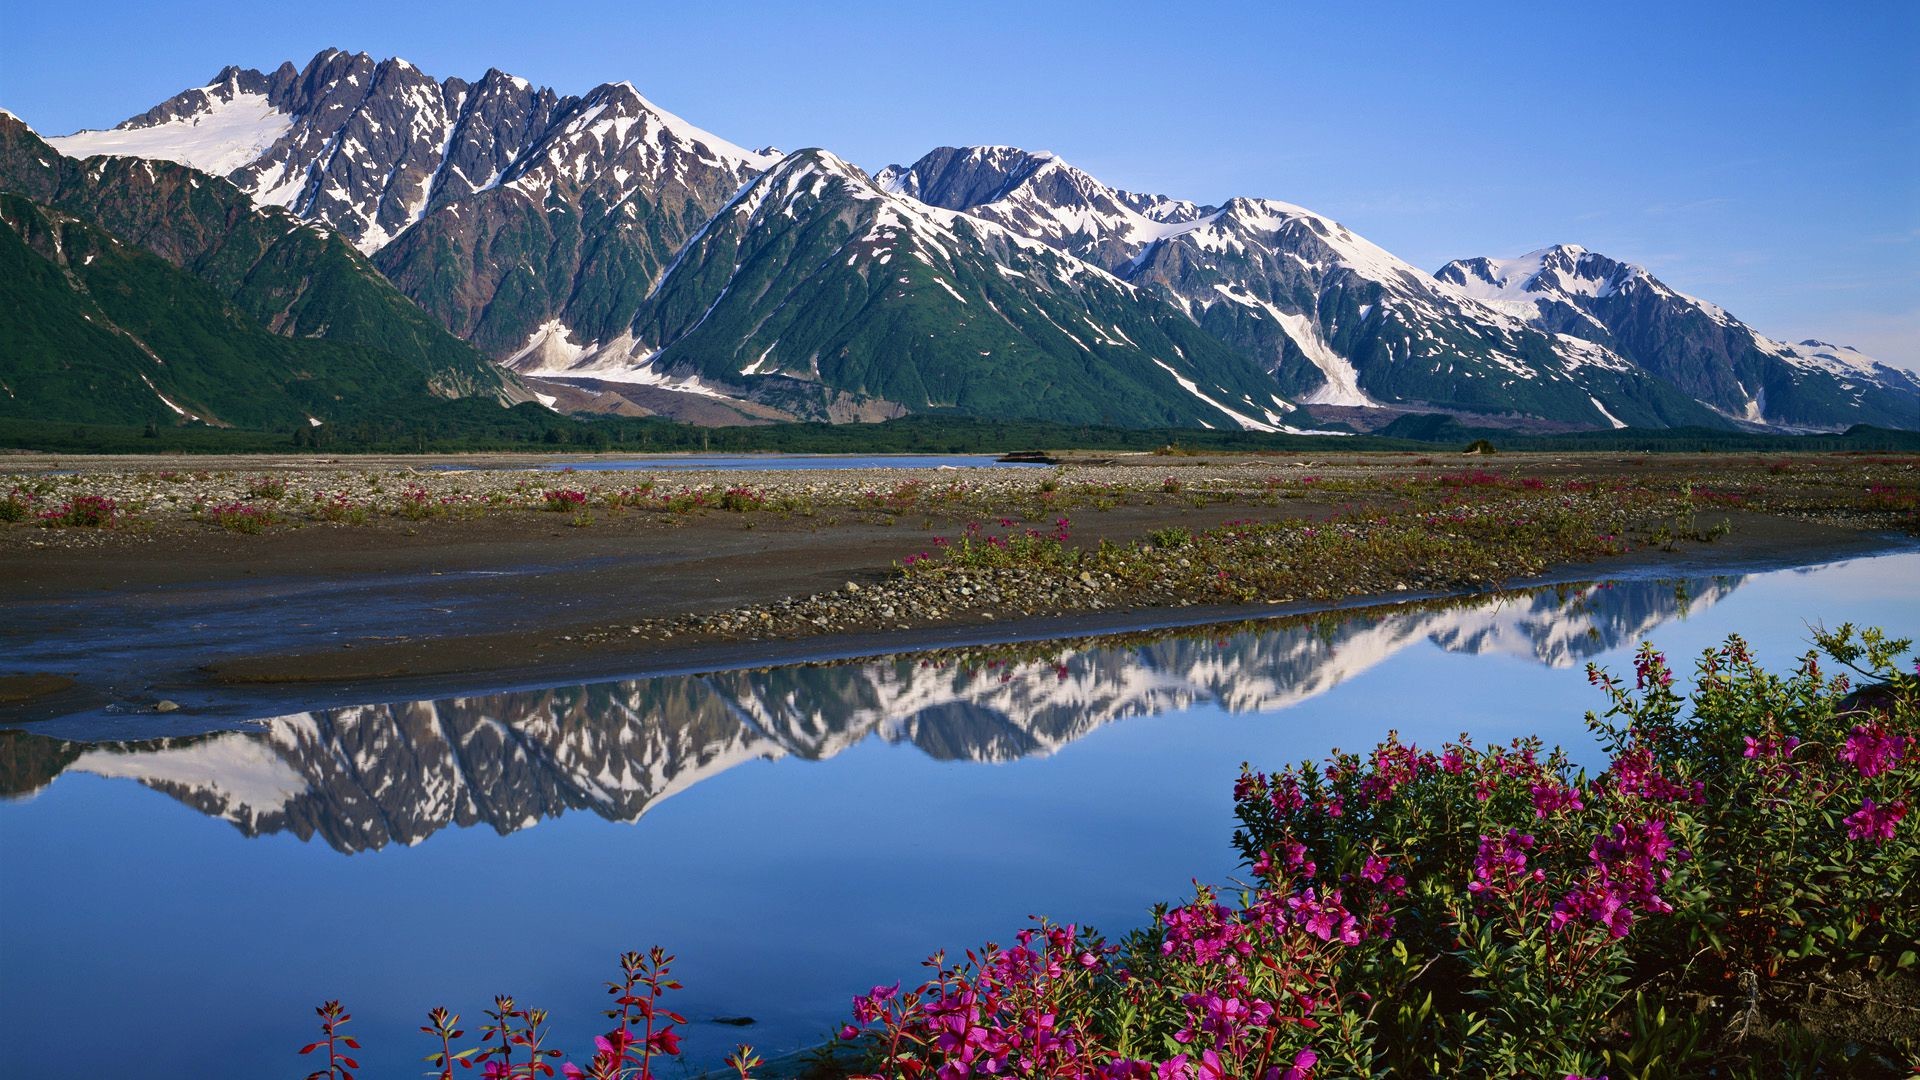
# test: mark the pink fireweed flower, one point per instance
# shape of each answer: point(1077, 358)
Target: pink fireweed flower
point(1873, 750)
point(1379, 871)
point(1597, 904)
point(1324, 918)
point(1551, 798)
point(1286, 797)
point(1500, 866)
point(1650, 669)
point(1874, 822)
point(1772, 746)
point(1633, 773)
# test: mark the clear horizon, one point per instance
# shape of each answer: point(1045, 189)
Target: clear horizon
point(1754, 155)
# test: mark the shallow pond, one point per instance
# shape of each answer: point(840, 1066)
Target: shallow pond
point(794, 834)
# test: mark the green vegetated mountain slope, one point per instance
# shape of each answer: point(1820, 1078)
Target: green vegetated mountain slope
point(287, 279)
point(98, 330)
point(813, 273)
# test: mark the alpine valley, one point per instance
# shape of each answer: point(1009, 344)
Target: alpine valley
point(356, 237)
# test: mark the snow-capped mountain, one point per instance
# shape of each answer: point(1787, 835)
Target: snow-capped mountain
point(1697, 346)
point(814, 275)
point(1336, 319)
point(496, 205)
point(366, 777)
point(1037, 195)
point(582, 236)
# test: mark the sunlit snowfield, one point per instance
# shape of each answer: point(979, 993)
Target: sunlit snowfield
point(794, 835)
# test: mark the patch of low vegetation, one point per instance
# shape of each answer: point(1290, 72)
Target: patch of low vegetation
point(83, 512)
point(239, 517)
point(17, 505)
point(563, 500)
point(1460, 534)
point(338, 509)
point(272, 488)
point(1871, 491)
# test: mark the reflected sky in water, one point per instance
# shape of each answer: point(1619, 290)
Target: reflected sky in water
point(795, 834)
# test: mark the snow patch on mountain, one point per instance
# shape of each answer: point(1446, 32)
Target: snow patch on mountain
point(243, 774)
point(552, 353)
point(230, 132)
point(1246, 422)
point(1840, 360)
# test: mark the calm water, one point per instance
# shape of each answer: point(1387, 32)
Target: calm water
point(794, 834)
point(787, 462)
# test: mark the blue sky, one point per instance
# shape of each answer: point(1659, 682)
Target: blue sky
point(1764, 156)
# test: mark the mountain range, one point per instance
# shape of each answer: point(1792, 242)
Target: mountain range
point(366, 777)
point(608, 256)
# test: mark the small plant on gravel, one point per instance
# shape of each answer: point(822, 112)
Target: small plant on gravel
point(1172, 536)
point(17, 506)
point(83, 512)
point(741, 499)
point(338, 509)
point(983, 547)
point(267, 487)
point(239, 517)
point(418, 504)
point(1470, 478)
point(563, 500)
point(581, 519)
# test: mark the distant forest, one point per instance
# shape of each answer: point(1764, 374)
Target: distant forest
point(475, 426)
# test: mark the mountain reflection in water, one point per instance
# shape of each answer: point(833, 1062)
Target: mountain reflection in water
point(374, 775)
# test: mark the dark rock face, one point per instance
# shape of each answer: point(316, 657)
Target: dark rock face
point(1695, 345)
point(576, 229)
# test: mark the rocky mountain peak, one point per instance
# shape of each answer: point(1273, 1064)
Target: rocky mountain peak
point(1699, 346)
